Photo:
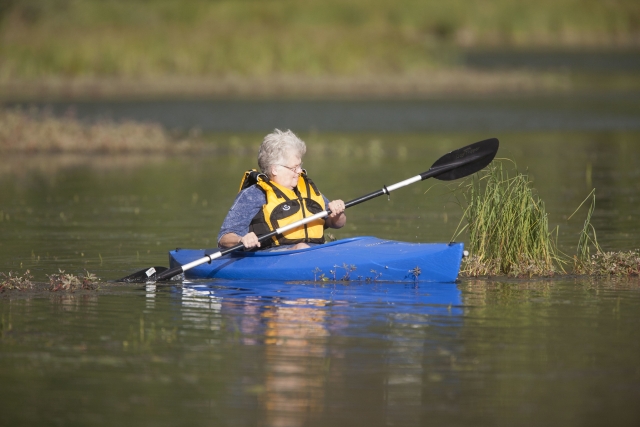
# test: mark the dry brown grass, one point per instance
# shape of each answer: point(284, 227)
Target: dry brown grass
point(36, 131)
point(617, 264)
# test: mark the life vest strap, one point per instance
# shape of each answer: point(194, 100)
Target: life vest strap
point(251, 177)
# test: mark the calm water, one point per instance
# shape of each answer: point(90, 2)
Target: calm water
point(590, 111)
point(477, 353)
point(547, 352)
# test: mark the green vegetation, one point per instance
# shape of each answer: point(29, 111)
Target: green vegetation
point(143, 39)
point(507, 226)
point(508, 230)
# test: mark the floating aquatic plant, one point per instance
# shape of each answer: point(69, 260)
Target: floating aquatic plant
point(15, 281)
point(69, 282)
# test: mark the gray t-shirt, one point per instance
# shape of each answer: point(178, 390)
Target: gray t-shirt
point(246, 206)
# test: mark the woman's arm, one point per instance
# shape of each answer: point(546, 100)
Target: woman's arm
point(236, 224)
point(249, 240)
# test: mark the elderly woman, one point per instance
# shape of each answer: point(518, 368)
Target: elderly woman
point(282, 195)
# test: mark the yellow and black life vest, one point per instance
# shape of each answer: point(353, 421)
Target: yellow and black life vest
point(285, 206)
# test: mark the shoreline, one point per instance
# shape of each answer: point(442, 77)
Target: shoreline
point(450, 82)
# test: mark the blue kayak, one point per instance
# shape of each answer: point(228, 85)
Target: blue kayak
point(357, 258)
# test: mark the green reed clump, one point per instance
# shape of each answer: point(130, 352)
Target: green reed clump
point(69, 282)
point(507, 226)
point(16, 281)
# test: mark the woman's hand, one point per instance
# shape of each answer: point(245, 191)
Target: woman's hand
point(250, 240)
point(337, 218)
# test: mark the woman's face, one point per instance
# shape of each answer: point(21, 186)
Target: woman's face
point(287, 173)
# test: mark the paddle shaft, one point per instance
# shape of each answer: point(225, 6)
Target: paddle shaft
point(387, 190)
point(384, 190)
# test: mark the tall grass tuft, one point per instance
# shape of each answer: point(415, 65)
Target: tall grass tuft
point(601, 263)
point(582, 259)
point(507, 226)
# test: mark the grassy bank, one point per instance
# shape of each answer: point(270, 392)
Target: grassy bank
point(166, 42)
point(38, 132)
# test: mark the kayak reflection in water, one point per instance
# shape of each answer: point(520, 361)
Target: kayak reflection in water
point(280, 195)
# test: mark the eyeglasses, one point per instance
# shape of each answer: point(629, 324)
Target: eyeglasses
point(294, 169)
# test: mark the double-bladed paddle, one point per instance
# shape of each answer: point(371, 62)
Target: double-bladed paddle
point(456, 164)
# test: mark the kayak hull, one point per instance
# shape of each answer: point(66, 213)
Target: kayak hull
point(358, 258)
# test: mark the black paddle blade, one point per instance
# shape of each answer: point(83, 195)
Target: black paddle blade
point(143, 276)
point(465, 161)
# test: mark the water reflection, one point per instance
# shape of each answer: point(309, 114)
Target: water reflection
point(301, 329)
point(295, 351)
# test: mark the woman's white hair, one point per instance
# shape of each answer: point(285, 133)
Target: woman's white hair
point(277, 147)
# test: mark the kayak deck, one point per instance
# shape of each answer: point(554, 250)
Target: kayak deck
point(358, 258)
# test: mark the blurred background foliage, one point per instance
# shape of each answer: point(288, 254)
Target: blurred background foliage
point(262, 38)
